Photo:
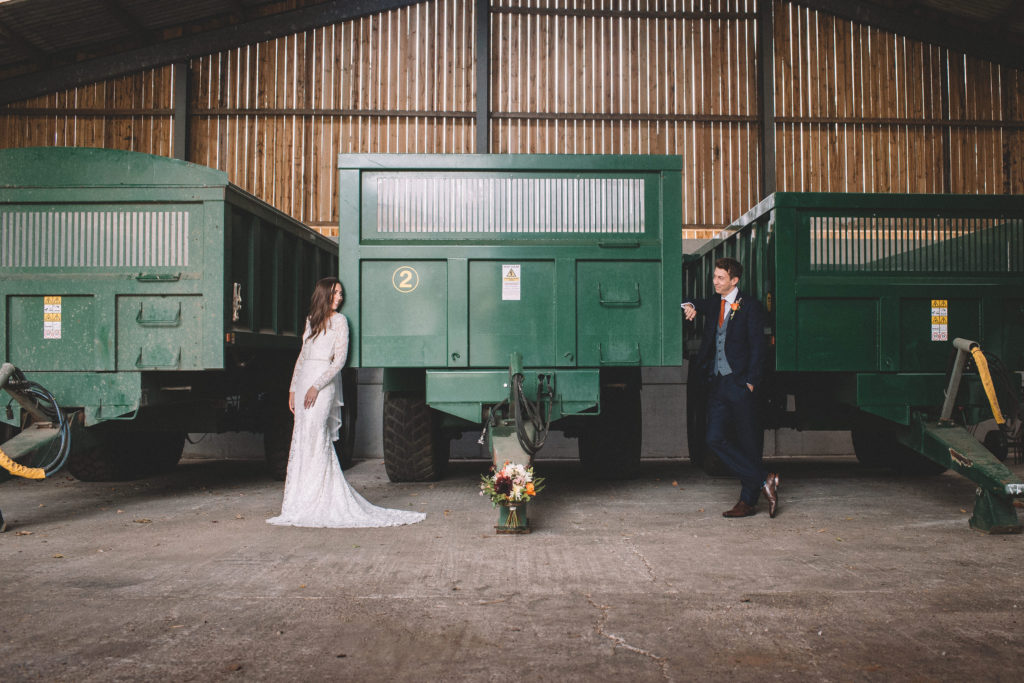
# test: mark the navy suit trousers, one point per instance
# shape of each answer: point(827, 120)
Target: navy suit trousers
point(734, 433)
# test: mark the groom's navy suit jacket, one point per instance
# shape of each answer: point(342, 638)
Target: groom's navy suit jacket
point(745, 346)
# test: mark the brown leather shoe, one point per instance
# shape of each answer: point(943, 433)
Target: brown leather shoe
point(771, 493)
point(740, 509)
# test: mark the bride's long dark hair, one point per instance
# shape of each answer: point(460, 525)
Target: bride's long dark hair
point(320, 309)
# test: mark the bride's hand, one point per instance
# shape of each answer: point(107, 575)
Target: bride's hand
point(291, 401)
point(310, 397)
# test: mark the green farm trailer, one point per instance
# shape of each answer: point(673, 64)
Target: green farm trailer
point(874, 302)
point(151, 298)
point(520, 291)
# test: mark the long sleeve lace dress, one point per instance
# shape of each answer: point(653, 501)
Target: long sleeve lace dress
point(315, 491)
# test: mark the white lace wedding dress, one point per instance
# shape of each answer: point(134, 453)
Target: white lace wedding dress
point(315, 491)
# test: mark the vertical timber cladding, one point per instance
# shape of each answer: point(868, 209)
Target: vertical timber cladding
point(275, 115)
point(133, 113)
point(610, 77)
point(457, 261)
point(859, 109)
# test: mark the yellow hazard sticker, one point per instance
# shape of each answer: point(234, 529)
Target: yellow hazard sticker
point(52, 309)
point(940, 320)
point(511, 281)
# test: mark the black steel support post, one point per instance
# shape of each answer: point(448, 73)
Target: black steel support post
point(483, 76)
point(181, 96)
point(766, 85)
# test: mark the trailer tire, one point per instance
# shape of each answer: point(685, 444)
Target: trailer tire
point(867, 446)
point(277, 441)
point(165, 449)
point(118, 457)
point(877, 446)
point(411, 435)
point(97, 464)
point(611, 444)
point(346, 444)
point(997, 443)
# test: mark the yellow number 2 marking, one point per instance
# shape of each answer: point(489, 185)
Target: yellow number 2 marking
point(405, 279)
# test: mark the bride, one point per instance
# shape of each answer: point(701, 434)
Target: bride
point(315, 491)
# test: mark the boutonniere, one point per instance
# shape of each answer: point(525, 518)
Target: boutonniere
point(735, 306)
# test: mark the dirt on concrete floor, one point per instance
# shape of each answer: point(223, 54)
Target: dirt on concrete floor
point(862, 576)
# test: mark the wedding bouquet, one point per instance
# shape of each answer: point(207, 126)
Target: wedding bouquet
point(511, 484)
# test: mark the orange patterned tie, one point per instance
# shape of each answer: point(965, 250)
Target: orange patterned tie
point(721, 313)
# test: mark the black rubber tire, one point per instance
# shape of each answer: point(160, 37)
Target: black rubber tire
point(697, 430)
point(164, 451)
point(611, 443)
point(997, 443)
point(126, 455)
point(410, 435)
point(277, 441)
point(877, 446)
point(345, 446)
point(98, 464)
point(868, 447)
point(912, 464)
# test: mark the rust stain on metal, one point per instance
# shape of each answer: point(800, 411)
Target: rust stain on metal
point(960, 459)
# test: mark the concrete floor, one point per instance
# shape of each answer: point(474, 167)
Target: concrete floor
point(862, 576)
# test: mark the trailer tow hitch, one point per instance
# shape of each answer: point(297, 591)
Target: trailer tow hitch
point(42, 449)
point(951, 445)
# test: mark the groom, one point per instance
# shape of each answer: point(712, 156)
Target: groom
point(732, 355)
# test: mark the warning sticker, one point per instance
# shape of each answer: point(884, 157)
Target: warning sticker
point(51, 317)
point(940, 320)
point(511, 281)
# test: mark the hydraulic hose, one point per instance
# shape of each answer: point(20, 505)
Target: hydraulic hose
point(986, 381)
point(20, 470)
point(531, 411)
point(48, 404)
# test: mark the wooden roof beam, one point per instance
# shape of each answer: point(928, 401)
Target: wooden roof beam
point(21, 44)
point(126, 19)
point(978, 40)
point(166, 52)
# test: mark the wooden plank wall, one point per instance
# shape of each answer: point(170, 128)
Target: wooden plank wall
point(635, 77)
point(857, 109)
point(132, 113)
point(862, 110)
point(275, 115)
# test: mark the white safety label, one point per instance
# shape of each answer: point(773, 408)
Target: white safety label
point(51, 317)
point(940, 320)
point(511, 281)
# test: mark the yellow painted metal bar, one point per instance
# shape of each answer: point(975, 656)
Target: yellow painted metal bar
point(20, 470)
point(986, 381)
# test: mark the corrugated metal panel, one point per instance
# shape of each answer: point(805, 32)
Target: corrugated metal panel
point(96, 239)
point(510, 205)
point(898, 244)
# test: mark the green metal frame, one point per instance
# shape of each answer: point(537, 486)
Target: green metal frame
point(589, 299)
point(123, 321)
point(849, 282)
